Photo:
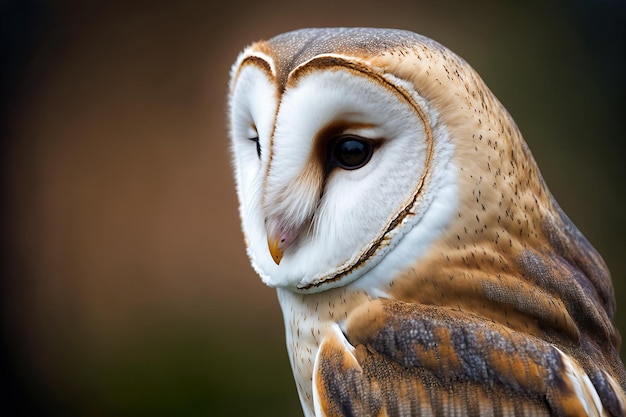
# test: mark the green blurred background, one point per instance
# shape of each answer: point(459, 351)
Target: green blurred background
point(126, 289)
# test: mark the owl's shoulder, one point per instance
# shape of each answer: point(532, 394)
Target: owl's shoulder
point(401, 356)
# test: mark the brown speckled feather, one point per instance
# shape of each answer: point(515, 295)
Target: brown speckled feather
point(411, 359)
point(511, 310)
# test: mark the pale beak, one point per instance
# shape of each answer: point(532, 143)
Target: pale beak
point(274, 245)
point(278, 239)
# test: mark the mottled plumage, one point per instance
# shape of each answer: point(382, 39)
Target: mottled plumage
point(435, 275)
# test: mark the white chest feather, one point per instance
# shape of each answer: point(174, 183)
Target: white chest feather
point(307, 320)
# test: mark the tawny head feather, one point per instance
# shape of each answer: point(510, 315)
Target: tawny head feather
point(440, 141)
point(448, 171)
point(333, 223)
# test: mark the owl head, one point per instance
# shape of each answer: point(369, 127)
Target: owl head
point(357, 151)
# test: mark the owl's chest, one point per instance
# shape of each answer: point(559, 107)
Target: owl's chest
point(308, 320)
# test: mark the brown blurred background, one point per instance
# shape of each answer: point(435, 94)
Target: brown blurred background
point(126, 289)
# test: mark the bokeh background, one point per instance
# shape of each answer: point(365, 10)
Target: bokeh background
point(126, 289)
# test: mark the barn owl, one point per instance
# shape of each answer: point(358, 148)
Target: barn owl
point(420, 261)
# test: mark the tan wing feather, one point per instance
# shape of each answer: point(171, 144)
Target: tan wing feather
point(412, 359)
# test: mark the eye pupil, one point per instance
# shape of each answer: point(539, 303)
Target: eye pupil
point(351, 152)
point(258, 146)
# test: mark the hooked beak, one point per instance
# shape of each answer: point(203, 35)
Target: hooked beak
point(274, 245)
point(278, 239)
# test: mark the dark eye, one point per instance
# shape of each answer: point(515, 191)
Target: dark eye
point(350, 152)
point(258, 146)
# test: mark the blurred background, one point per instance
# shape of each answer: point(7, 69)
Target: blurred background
point(126, 290)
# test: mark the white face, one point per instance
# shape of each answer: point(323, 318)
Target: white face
point(344, 154)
